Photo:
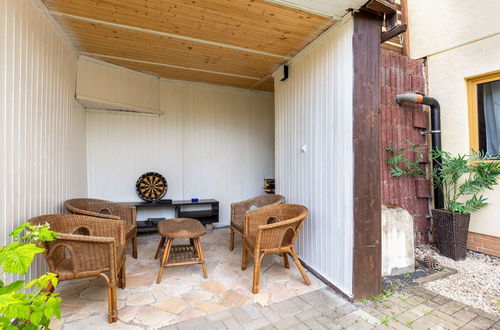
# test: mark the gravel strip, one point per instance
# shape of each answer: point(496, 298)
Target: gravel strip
point(477, 282)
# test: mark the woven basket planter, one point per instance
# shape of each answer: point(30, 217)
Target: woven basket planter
point(451, 229)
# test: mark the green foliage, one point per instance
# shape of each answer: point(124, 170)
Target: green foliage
point(463, 178)
point(25, 306)
point(402, 165)
point(384, 320)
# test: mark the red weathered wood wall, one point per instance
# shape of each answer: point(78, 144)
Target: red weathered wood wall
point(401, 74)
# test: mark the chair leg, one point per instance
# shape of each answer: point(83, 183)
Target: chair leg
point(112, 308)
point(134, 246)
point(199, 251)
point(244, 258)
point(299, 266)
point(49, 288)
point(164, 259)
point(256, 272)
point(286, 263)
point(122, 279)
point(231, 240)
point(162, 242)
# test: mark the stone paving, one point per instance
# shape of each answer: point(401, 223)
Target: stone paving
point(415, 308)
point(183, 293)
point(184, 300)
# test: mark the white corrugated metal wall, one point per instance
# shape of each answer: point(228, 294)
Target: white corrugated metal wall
point(42, 127)
point(314, 110)
point(210, 142)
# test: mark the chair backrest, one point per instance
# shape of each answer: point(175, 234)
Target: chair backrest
point(102, 209)
point(268, 199)
point(88, 206)
point(78, 240)
point(78, 224)
point(283, 226)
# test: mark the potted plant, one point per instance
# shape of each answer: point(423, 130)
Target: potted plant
point(26, 305)
point(462, 180)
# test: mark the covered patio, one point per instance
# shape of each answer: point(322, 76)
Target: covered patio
point(216, 96)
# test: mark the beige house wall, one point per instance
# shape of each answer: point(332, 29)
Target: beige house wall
point(460, 39)
point(447, 82)
point(437, 26)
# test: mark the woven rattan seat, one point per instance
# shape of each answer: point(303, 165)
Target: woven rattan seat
point(239, 209)
point(180, 255)
point(85, 247)
point(107, 210)
point(181, 228)
point(272, 230)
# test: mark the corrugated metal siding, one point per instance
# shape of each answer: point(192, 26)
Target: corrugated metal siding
point(210, 142)
point(314, 108)
point(42, 127)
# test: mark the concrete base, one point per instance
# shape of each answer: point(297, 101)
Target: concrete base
point(398, 255)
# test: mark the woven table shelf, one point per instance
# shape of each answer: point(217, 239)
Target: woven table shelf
point(181, 254)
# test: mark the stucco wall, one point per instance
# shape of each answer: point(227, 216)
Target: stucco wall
point(436, 26)
point(447, 72)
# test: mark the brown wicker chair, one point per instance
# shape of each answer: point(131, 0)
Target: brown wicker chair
point(108, 210)
point(272, 230)
point(239, 209)
point(86, 247)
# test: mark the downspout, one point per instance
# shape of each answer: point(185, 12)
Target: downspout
point(435, 133)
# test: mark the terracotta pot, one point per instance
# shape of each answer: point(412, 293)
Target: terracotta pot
point(451, 230)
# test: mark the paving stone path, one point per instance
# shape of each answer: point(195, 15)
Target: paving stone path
point(415, 308)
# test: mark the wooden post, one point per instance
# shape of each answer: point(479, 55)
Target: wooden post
point(366, 143)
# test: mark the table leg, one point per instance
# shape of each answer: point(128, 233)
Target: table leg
point(200, 256)
point(164, 259)
point(162, 241)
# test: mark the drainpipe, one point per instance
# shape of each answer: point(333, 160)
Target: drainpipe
point(435, 133)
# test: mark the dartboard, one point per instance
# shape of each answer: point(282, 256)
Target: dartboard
point(151, 186)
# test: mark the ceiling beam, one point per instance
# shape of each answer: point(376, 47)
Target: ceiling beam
point(169, 35)
point(169, 65)
point(306, 9)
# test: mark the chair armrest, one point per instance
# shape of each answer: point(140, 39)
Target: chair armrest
point(92, 214)
point(88, 254)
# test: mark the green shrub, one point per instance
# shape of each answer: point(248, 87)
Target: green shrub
point(25, 306)
point(463, 178)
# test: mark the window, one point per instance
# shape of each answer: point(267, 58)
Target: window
point(484, 114)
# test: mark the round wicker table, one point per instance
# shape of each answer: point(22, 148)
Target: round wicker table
point(180, 255)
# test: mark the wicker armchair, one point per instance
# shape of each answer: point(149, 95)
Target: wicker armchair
point(108, 210)
point(87, 247)
point(239, 209)
point(272, 230)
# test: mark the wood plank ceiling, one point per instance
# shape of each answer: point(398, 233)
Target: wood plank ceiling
point(229, 42)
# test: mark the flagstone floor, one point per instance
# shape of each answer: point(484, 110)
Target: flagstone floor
point(183, 293)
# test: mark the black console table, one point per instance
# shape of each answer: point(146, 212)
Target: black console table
point(208, 216)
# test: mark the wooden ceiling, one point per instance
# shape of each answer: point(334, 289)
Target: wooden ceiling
point(229, 42)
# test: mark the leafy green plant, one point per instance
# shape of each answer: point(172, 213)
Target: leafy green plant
point(402, 165)
point(26, 306)
point(384, 320)
point(462, 179)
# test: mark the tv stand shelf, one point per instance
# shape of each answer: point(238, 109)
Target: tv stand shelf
point(181, 208)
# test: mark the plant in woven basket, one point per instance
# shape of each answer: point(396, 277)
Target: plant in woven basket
point(26, 305)
point(462, 180)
